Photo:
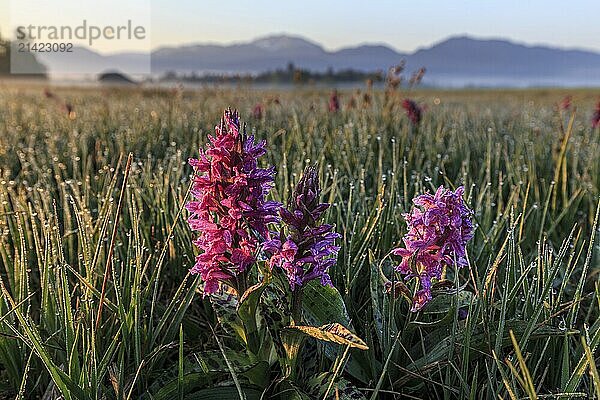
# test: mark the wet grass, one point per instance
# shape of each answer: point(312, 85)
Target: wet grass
point(81, 232)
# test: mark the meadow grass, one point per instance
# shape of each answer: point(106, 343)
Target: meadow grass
point(86, 227)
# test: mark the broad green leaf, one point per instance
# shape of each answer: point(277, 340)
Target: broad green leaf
point(225, 304)
point(213, 361)
point(258, 374)
point(247, 307)
point(323, 305)
point(480, 341)
point(309, 359)
point(443, 303)
point(224, 393)
point(275, 311)
point(289, 390)
point(340, 389)
point(207, 368)
point(292, 342)
point(192, 392)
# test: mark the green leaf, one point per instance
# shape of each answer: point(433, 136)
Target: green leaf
point(186, 384)
point(202, 370)
point(342, 389)
point(224, 393)
point(275, 311)
point(258, 374)
point(292, 342)
point(375, 285)
point(213, 393)
point(225, 304)
point(444, 303)
point(213, 361)
point(309, 359)
point(247, 307)
point(290, 391)
point(479, 341)
point(324, 305)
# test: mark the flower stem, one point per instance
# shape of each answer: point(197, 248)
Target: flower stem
point(297, 306)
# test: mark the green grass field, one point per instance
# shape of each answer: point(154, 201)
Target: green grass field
point(81, 233)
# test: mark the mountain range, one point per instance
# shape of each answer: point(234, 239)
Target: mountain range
point(456, 61)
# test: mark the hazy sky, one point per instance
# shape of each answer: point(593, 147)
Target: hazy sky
point(405, 25)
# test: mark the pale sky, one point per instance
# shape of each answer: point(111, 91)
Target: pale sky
point(404, 25)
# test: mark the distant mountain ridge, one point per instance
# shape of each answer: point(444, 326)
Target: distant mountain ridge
point(270, 53)
point(456, 61)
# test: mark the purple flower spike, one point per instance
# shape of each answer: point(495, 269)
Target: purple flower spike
point(438, 231)
point(334, 102)
point(413, 111)
point(307, 249)
point(229, 207)
point(596, 117)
